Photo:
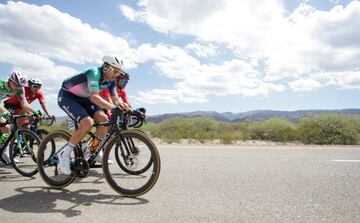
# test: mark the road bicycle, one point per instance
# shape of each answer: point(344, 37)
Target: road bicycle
point(133, 151)
point(34, 125)
point(23, 145)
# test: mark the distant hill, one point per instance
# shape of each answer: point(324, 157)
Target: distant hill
point(257, 115)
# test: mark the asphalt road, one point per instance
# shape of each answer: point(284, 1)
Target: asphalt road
point(204, 185)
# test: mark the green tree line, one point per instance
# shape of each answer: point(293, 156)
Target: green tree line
point(325, 129)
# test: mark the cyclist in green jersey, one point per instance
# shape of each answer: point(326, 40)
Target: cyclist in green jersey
point(14, 85)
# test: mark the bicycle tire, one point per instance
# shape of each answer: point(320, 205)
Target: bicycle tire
point(42, 133)
point(123, 167)
point(126, 168)
point(153, 173)
point(26, 163)
point(51, 180)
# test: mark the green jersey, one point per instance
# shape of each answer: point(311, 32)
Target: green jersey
point(5, 92)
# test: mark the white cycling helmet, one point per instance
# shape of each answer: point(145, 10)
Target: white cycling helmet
point(113, 61)
point(18, 78)
point(35, 81)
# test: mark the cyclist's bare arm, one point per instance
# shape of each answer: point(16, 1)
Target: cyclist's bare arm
point(99, 101)
point(44, 107)
point(26, 106)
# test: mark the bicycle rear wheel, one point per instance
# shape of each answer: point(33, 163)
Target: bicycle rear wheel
point(48, 160)
point(132, 185)
point(22, 151)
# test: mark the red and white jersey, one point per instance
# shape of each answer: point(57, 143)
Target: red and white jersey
point(29, 96)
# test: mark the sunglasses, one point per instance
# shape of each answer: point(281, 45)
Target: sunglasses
point(36, 86)
point(116, 71)
point(123, 81)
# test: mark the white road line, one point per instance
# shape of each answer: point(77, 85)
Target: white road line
point(350, 161)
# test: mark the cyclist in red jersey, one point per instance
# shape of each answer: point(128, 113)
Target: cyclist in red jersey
point(32, 92)
point(120, 89)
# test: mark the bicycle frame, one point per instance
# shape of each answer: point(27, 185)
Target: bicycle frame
point(14, 132)
point(118, 123)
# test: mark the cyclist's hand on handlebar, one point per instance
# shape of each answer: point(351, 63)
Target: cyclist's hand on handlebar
point(37, 114)
point(142, 111)
point(51, 117)
point(128, 106)
point(125, 106)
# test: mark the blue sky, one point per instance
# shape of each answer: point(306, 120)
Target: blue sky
point(218, 55)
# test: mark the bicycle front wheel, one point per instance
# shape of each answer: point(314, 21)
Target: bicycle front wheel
point(123, 182)
point(48, 160)
point(23, 148)
point(42, 133)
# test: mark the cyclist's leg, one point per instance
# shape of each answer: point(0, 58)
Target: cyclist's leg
point(22, 122)
point(101, 131)
point(5, 129)
point(73, 106)
point(99, 115)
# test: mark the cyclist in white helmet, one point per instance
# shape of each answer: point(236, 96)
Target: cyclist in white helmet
point(13, 86)
point(79, 98)
point(32, 92)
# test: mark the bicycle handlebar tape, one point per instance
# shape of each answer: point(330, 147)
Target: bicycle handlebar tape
point(4, 114)
point(36, 113)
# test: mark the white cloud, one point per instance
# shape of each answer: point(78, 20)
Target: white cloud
point(304, 85)
point(202, 50)
point(196, 81)
point(36, 39)
point(344, 80)
point(36, 36)
point(56, 35)
point(269, 46)
point(36, 65)
point(289, 45)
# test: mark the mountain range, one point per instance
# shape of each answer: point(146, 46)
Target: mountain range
point(256, 115)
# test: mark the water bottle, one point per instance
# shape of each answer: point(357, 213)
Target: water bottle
point(97, 142)
point(3, 138)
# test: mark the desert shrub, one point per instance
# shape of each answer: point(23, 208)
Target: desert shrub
point(227, 137)
point(329, 129)
point(278, 130)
